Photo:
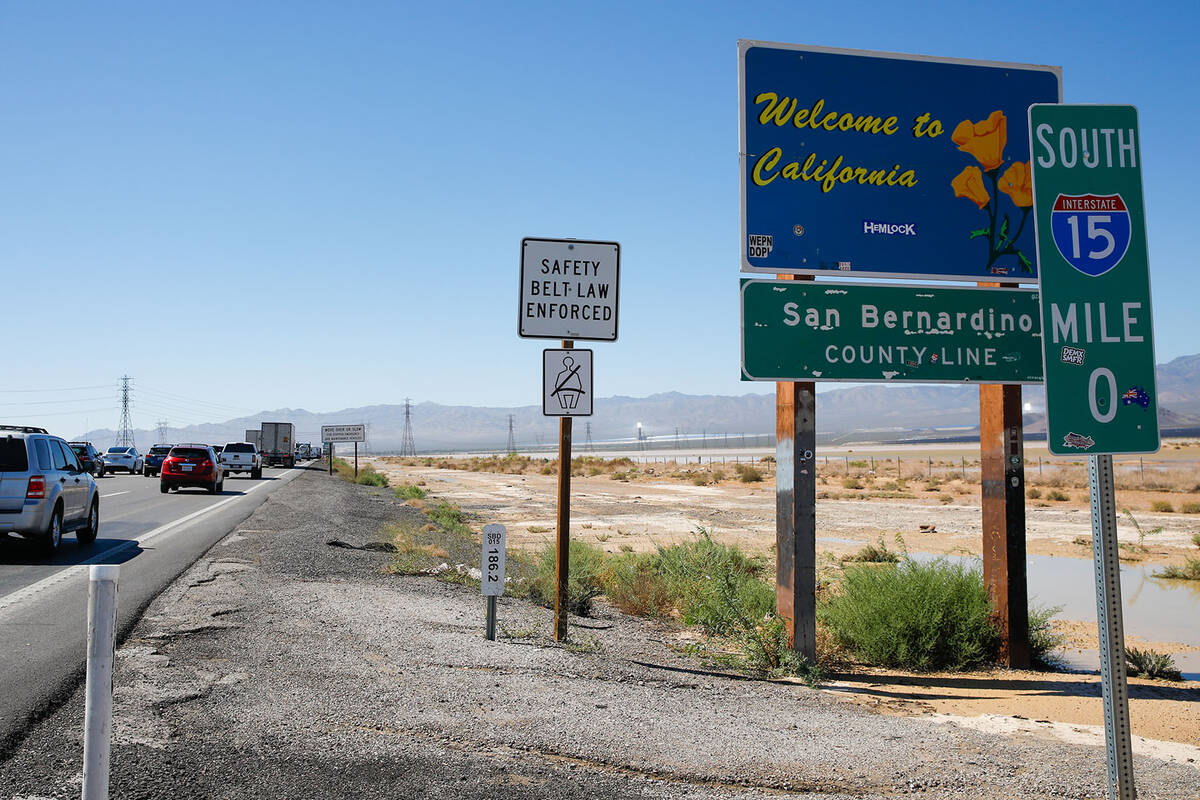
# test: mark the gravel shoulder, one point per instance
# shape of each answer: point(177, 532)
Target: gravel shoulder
point(281, 667)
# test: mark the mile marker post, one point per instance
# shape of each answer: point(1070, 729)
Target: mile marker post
point(563, 552)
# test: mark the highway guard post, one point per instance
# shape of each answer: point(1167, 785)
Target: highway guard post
point(1101, 393)
point(570, 289)
point(861, 164)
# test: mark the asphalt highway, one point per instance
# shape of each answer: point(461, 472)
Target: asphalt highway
point(154, 537)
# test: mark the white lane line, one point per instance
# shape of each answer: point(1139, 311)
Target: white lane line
point(33, 589)
point(114, 494)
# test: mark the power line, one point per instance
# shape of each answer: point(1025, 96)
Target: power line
point(64, 389)
point(52, 402)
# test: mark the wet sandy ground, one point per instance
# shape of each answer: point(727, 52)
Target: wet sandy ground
point(621, 516)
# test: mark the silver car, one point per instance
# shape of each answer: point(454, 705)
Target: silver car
point(124, 457)
point(44, 490)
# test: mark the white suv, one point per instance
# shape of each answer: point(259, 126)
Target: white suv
point(44, 490)
point(242, 457)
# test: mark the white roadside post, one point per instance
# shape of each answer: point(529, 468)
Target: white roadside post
point(492, 567)
point(97, 715)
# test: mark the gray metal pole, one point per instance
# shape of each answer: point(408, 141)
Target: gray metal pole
point(1111, 628)
point(98, 691)
point(491, 618)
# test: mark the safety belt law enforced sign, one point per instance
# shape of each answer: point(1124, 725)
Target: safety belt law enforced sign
point(567, 383)
point(1097, 332)
point(569, 289)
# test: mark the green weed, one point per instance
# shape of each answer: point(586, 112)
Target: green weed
point(1151, 664)
point(409, 492)
point(914, 616)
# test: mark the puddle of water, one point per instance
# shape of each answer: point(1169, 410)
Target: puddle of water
point(1155, 609)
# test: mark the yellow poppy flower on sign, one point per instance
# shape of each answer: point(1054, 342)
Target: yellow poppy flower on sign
point(985, 140)
point(969, 184)
point(1016, 182)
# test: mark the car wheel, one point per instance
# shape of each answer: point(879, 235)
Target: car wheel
point(87, 535)
point(162, 487)
point(256, 474)
point(52, 538)
point(212, 487)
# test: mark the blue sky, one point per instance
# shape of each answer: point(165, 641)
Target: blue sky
point(263, 205)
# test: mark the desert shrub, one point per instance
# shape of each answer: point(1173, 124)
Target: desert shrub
point(1058, 496)
point(1043, 639)
point(367, 476)
point(1151, 664)
point(851, 483)
point(1190, 508)
point(548, 469)
point(877, 553)
point(718, 475)
point(449, 517)
point(1033, 493)
point(767, 460)
point(1196, 539)
point(946, 498)
point(701, 479)
point(620, 476)
point(748, 474)
point(585, 562)
point(913, 616)
point(1162, 506)
point(1189, 571)
point(409, 492)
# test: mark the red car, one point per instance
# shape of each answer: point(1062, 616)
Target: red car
point(193, 465)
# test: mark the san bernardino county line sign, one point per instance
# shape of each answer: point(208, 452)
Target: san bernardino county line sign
point(886, 165)
point(570, 289)
point(812, 331)
point(1101, 390)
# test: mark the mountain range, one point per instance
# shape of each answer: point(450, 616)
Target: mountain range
point(872, 412)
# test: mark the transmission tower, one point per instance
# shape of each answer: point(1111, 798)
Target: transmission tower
point(512, 441)
point(407, 447)
point(591, 447)
point(162, 431)
point(125, 429)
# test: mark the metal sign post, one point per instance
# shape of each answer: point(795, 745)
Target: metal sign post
point(1101, 396)
point(1113, 678)
point(356, 461)
point(563, 539)
point(491, 581)
point(329, 450)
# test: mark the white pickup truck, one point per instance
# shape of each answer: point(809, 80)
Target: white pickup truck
point(242, 457)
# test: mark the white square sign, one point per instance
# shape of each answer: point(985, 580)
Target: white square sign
point(569, 289)
point(567, 383)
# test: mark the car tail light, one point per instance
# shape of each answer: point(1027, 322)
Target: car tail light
point(37, 488)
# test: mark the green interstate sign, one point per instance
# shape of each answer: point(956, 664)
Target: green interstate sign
point(811, 331)
point(1090, 223)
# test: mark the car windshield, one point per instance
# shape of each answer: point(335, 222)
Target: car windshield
point(189, 452)
point(13, 457)
point(121, 450)
point(239, 447)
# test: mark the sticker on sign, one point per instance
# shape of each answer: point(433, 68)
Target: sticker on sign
point(569, 289)
point(567, 383)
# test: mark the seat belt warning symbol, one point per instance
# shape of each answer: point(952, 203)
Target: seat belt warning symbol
point(567, 383)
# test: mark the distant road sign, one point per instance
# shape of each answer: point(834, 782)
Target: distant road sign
point(343, 433)
point(1101, 394)
point(824, 331)
point(567, 383)
point(886, 165)
point(569, 289)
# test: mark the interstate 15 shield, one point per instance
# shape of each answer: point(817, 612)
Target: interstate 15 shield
point(1091, 232)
